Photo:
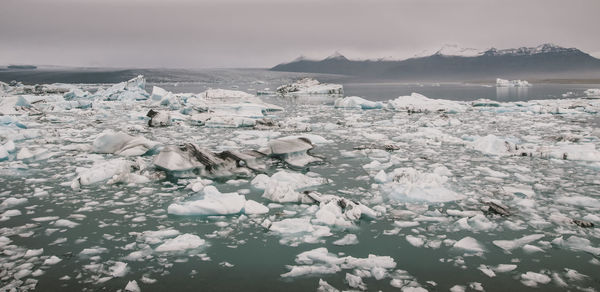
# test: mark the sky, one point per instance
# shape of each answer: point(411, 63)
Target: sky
point(263, 33)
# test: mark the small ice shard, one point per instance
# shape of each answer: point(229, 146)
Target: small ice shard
point(417, 103)
point(511, 83)
point(181, 243)
point(469, 244)
point(509, 245)
point(309, 86)
point(503, 268)
point(158, 118)
point(357, 102)
point(122, 144)
point(132, 286)
point(415, 241)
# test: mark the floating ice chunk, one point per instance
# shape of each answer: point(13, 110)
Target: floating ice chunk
point(154, 237)
point(111, 171)
point(503, 268)
point(53, 260)
point(577, 243)
point(292, 150)
point(192, 158)
point(122, 144)
point(415, 241)
point(119, 269)
point(33, 253)
point(411, 184)
point(132, 286)
point(469, 244)
point(348, 239)
point(285, 187)
point(355, 281)
point(16, 105)
point(309, 86)
point(531, 249)
point(581, 201)
point(357, 102)
point(325, 287)
point(493, 145)
point(181, 243)
point(509, 245)
point(532, 279)
point(511, 83)
point(76, 93)
point(592, 93)
point(253, 207)
point(487, 271)
point(12, 202)
point(297, 230)
point(458, 288)
point(158, 118)
point(421, 104)
point(65, 223)
point(213, 203)
point(3, 153)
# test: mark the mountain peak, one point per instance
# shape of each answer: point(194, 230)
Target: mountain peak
point(525, 51)
point(450, 50)
point(336, 56)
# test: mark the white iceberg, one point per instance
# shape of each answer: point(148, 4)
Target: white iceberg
point(122, 144)
point(357, 102)
point(409, 184)
point(309, 86)
point(511, 83)
point(418, 103)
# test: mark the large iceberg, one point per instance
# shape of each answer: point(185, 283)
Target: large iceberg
point(122, 144)
point(418, 103)
point(214, 202)
point(511, 83)
point(309, 86)
point(357, 102)
point(131, 90)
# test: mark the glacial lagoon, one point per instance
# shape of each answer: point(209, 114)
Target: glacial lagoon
point(430, 172)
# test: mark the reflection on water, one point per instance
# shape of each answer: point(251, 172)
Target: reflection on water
point(510, 93)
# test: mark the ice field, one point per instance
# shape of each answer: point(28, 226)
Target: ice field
point(135, 187)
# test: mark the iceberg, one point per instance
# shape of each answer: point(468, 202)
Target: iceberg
point(122, 144)
point(592, 93)
point(131, 90)
point(309, 86)
point(511, 83)
point(409, 184)
point(17, 105)
point(179, 160)
point(214, 202)
point(357, 102)
point(418, 103)
point(158, 118)
point(110, 171)
point(293, 150)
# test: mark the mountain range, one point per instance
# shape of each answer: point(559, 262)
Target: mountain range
point(455, 63)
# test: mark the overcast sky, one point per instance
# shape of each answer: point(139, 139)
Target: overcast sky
point(262, 33)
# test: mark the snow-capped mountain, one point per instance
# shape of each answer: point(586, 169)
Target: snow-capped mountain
point(457, 63)
point(451, 50)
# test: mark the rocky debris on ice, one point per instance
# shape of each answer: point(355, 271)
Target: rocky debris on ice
point(158, 118)
point(179, 160)
point(418, 103)
point(131, 90)
point(111, 171)
point(496, 208)
point(357, 102)
point(122, 144)
point(511, 83)
point(409, 184)
point(214, 202)
point(309, 86)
